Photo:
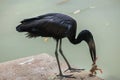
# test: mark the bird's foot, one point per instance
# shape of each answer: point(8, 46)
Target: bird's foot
point(74, 70)
point(61, 76)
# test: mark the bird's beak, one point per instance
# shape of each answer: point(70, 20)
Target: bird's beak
point(92, 49)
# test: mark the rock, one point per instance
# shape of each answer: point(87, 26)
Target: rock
point(39, 67)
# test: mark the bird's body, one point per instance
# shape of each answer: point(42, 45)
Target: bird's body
point(58, 26)
point(38, 26)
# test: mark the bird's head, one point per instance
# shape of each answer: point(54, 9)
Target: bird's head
point(88, 37)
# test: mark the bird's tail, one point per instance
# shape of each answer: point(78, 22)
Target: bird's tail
point(19, 28)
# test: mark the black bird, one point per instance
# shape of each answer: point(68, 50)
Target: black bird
point(58, 26)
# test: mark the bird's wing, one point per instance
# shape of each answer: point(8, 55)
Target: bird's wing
point(54, 27)
point(37, 18)
point(29, 20)
point(49, 25)
point(32, 19)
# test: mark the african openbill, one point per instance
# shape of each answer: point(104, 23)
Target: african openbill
point(58, 26)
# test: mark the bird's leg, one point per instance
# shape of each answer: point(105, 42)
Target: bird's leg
point(69, 67)
point(60, 71)
point(56, 54)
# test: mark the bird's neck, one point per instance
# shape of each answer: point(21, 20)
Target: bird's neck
point(84, 35)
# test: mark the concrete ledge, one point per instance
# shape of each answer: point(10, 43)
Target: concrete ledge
point(39, 67)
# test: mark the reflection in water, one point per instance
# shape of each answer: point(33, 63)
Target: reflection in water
point(101, 17)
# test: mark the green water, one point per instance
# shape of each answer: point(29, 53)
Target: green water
point(101, 17)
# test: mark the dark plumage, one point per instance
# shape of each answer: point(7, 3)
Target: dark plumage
point(58, 26)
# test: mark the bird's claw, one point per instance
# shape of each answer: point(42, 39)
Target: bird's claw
point(74, 70)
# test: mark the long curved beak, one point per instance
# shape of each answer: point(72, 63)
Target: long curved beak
point(92, 49)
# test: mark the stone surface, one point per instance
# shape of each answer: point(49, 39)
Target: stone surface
point(39, 67)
